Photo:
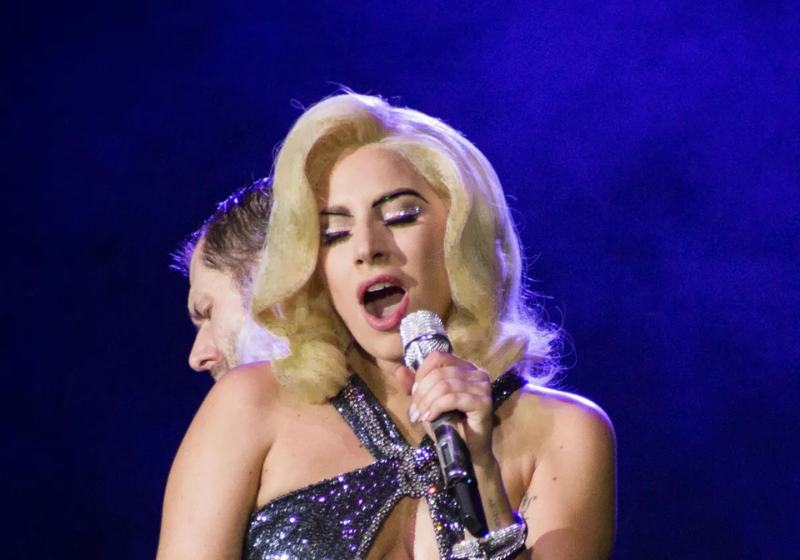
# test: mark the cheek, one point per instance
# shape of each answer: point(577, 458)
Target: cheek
point(229, 319)
point(218, 328)
point(434, 254)
point(237, 321)
point(332, 280)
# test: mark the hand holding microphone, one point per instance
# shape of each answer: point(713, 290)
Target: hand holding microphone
point(461, 386)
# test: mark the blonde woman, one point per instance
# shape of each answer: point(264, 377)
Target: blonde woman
point(326, 452)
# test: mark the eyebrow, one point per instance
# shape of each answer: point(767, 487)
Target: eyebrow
point(343, 211)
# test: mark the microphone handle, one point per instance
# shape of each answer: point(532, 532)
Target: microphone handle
point(459, 475)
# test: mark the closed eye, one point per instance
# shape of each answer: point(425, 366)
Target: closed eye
point(197, 317)
point(333, 236)
point(405, 216)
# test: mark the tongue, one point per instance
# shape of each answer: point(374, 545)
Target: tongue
point(385, 302)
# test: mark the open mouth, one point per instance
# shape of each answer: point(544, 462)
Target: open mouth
point(382, 300)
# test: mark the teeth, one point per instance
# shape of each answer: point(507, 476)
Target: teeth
point(379, 286)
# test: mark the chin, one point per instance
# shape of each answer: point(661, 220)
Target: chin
point(385, 347)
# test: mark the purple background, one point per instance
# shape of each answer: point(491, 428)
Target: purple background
point(650, 150)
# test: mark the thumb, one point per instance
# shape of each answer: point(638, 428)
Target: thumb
point(405, 377)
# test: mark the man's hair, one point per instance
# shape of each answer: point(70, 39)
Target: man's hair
point(491, 323)
point(232, 238)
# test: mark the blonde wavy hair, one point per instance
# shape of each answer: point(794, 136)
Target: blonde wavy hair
point(482, 252)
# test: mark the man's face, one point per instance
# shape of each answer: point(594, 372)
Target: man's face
point(217, 310)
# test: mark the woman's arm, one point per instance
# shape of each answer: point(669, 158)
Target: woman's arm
point(214, 480)
point(570, 505)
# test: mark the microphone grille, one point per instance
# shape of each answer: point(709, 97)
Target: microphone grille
point(422, 332)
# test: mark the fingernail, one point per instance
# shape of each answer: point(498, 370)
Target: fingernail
point(413, 413)
point(414, 387)
point(426, 416)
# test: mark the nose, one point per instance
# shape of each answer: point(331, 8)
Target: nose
point(204, 354)
point(371, 243)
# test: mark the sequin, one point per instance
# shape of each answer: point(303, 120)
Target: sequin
point(339, 518)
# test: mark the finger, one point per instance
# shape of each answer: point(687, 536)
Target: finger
point(424, 401)
point(405, 378)
point(467, 403)
point(436, 360)
point(425, 383)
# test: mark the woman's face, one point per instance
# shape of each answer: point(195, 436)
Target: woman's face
point(382, 250)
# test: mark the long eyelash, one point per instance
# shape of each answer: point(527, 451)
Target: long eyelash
point(331, 237)
point(405, 216)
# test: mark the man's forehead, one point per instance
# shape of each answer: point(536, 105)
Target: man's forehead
point(207, 282)
point(196, 264)
point(199, 277)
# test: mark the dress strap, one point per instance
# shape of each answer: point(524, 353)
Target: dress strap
point(504, 386)
point(416, 472)
point(368, 420)
point(375, 429)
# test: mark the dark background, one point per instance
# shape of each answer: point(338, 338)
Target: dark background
point(650, 150)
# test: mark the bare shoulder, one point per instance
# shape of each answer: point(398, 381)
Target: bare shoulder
point(251, 385)
point(553, 420)
point(234, 417)
point(572, 412)
point(215, 477)
point(568, 447)
point(244, 395)
point(256, 378)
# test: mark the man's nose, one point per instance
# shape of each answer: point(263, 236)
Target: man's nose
point(204, 354)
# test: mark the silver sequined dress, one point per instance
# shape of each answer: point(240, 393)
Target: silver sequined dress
point(338, 518)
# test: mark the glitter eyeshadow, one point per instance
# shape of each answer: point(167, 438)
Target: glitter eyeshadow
point(339, 518)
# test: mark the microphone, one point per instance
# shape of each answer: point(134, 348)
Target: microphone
point(423, 332)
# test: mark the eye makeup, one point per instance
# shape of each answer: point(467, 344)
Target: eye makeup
point(331, 236)
point(397, 208)
point(402, 216)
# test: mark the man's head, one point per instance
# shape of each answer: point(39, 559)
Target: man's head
point(219, 260)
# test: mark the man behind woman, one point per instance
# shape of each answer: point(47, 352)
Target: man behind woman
point(325, 452)
point(220, 259)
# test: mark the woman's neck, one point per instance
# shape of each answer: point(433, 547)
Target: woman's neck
point(392, 393)
point(377, 374)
